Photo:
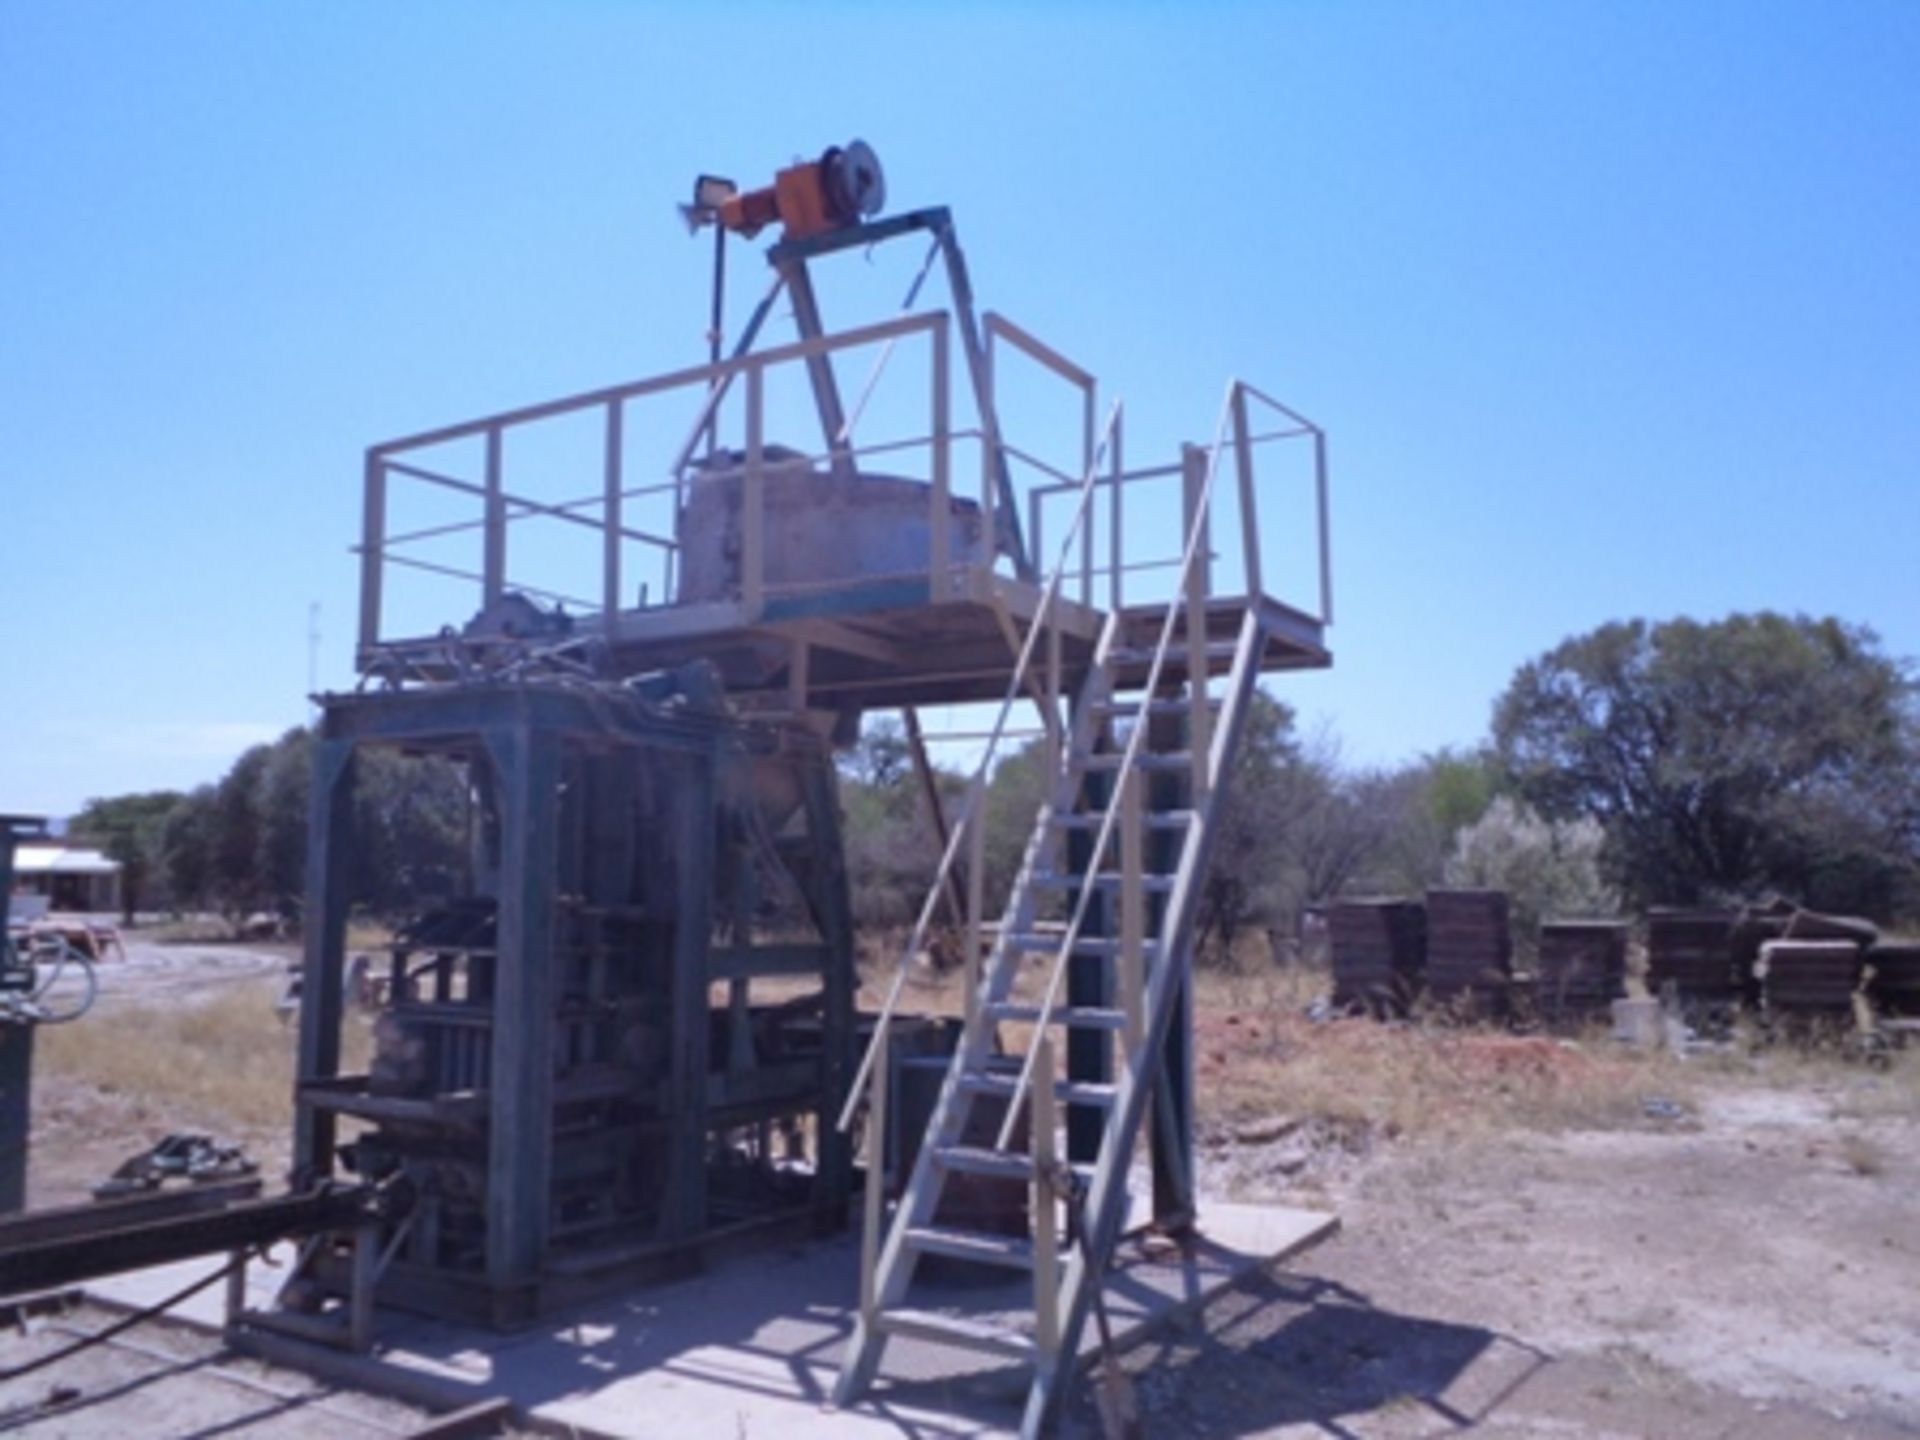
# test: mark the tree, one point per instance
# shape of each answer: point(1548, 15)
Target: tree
point(235, 849)
point(410, 829)
point(1726, 758)
point(1254, 874)
point(879, 757)
point(128, 828)
point(1015, 792)
point(186, 848)
point(285, 781)
point(892, 851)
point(1548, 868)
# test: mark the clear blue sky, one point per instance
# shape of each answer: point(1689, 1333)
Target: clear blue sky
point(1611, 309)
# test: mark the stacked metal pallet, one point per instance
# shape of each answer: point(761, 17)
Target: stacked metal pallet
point(1469, 949)
point(1809, 977)
point(1757, 925)
point(1691, 950)
point(1379, 953)
point(1581, 968)
point(1815, 967)
point(1894, 987)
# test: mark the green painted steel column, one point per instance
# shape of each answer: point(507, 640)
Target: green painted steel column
point(16, 1088)
point(684, 1199)
point(329, 870)
point(526, 763)
point(834, 907)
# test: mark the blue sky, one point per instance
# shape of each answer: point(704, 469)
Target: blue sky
point(1610, 310)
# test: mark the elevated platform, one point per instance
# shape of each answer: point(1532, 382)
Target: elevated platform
point(884, 642)
point(906, 572)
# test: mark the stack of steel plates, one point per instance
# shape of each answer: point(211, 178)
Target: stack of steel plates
point(1469, 948)
point(1379, 949)
point(1809, 976)
point(1691, 950)
point(1812, 925)
point(1895, 986)
point(1757, 925)
point(1582, 967)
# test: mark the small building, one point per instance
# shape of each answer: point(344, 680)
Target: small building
point(65, 877)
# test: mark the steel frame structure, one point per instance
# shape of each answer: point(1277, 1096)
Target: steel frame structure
point(575, 1084)
point(551, 751)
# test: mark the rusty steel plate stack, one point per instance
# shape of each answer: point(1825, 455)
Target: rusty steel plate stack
point(1379, 951)
point(1469, 949)
point(1692, 951)
point(1757, 925)
point(1581, 969)
point(1895, 986)
point(1809, 976)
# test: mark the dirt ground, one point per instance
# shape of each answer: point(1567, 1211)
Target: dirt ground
point(1749, 1268)
point(1539, 1237)
point(82, 1130)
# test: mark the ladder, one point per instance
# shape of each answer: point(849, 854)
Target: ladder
point(1106, 763)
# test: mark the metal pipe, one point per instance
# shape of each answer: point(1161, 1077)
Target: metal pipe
point(672, 380)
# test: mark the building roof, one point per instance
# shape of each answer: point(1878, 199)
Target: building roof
point(62, 860)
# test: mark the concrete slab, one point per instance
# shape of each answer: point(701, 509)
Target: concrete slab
point(752, 1348)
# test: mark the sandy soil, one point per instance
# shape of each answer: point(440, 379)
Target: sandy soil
point(1747, 1265)
point(1749, 1269)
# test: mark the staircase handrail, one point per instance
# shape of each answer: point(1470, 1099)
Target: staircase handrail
point(976, 791)
point(1196, 538)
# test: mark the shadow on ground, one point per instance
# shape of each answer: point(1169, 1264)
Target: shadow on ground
point(1282, 1350)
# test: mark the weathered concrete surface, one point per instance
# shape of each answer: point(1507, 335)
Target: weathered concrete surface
point(753, 1348)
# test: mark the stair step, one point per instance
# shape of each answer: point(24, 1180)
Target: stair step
point(1012, 1252)
point(1146, 760)
point(1169, 706)
point(958, 1332)
point(1149, 884)
point(1049, 943)
point(1177, 650)
point(999, 1164)
point(1073, 1092)
point(1092, 819)
point(1074, 1017)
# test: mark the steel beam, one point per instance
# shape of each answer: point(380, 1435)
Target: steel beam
point(329, 853)
point(119, 1244)
point(526, 764)
point(683, 1210)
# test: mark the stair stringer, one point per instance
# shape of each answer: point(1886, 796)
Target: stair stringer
point(1107, 1191)
point(866, 1345)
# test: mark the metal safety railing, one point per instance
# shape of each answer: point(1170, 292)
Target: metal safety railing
point(619, 511)
point(1244, 443)
point(604, 510)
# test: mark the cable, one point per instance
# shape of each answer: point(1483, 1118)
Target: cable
point(314, 1400)
point(68, 955)
point(886, 353)
point(120, 1326)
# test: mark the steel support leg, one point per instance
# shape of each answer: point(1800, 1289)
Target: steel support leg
point(520, 1114)
point(329, 856)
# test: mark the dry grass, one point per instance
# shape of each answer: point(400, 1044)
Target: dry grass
point(224, 1062)
point(1258, 1058)
point(1257, 1054)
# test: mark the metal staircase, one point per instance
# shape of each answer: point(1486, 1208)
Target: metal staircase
point(1135, 783)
